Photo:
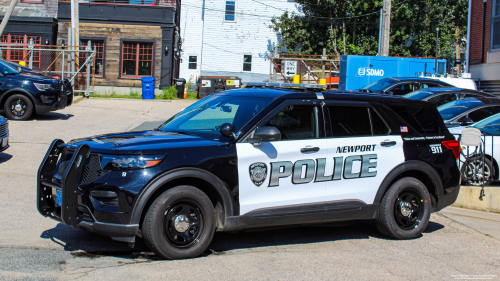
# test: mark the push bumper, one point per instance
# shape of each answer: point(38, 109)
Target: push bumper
point(65, 98)
point(71, 210)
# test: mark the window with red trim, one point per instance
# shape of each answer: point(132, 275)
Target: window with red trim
point(98, 46)
point(137, 59)
point(21, 55)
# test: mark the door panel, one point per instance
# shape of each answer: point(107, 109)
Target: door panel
point(290, 174)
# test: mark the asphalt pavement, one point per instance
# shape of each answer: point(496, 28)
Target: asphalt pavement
point(456, 245)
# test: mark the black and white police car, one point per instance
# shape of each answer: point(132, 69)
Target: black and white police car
point(257, 157)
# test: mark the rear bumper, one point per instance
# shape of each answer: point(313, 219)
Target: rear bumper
point(447, 199)
point(72, 211)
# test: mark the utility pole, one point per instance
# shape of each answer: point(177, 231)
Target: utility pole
point(7, 16)
point(386, 28)
point(437, 45)
point(380, 31)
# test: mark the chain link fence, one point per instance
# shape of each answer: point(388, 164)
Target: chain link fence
point(75, 63)
point(310, 68)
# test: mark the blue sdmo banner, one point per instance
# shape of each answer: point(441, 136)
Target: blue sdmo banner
point(358, 71)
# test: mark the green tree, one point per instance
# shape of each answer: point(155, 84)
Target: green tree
point(351, 27)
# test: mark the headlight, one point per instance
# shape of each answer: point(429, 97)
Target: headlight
point(42, 87)
point(128, 162)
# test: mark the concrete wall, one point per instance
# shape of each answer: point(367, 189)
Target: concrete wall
point(468, 197)
point(220, 45)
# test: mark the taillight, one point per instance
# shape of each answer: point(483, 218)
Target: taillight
point(454, 145)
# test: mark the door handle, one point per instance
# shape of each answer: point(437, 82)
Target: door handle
point(309, 149)
point(388, 143)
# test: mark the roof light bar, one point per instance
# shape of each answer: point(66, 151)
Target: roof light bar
point(284, 85)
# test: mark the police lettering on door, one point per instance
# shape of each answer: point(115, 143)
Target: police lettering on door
point(315, 169)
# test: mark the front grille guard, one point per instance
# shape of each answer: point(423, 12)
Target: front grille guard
point(70, 215)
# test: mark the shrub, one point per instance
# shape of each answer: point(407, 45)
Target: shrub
point(168, 93)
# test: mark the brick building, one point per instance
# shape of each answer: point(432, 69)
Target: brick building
point(484, 44)
point(133, 38)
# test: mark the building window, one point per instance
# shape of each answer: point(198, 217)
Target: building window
point(98, 46)
point(495, 25)
point(229, 15)
point(137, 59)
point(193, 60)
point(32, 1)
point(247, 62)
point(21, 55)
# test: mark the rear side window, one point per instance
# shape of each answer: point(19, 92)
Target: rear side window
point(424, 120)
point(347, 121)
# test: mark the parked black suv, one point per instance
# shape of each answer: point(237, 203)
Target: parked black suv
point(256, 157)
point(22, 94)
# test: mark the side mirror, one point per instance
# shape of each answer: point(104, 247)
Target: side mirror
point(466, 121)
point(265, 134)
point(227, 130)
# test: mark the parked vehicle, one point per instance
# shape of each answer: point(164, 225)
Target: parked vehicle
point(22, 94)
point(439, 96)
point(27, 70)
point(4, 134)
point(467, 111)
point(235, 160)
point(490, 128)
point(401, 86)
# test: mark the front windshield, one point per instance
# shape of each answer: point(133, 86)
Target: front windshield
point(418, 95)
point(453, 109)
point(378, 85)
point(205, 117)
point(490, 125)
point(6, 68)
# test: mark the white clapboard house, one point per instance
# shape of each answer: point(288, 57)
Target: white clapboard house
point(229, 38)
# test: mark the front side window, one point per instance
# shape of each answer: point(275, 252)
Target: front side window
point(495, 25)
point(137, 59)
point(482, 113)
point(444, 98)
point(193, 62)
point(205, 117)
point(296, 122)
point(349, 121)
point(453, 109)
point(402, 89)
point(379, 85)
point(229, 13)
point(247, 63)
point(98, 46)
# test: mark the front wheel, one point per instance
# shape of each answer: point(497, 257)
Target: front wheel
point(405, 209)
point(180, 223)
point(18, 107)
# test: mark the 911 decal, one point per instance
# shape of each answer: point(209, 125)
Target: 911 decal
point(436, 148)
point(341, 168)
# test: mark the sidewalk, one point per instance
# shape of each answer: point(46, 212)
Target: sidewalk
point(487, 223)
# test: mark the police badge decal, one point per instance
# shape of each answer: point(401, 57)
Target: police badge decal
point(258, 173)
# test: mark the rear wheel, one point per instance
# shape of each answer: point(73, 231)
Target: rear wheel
point(18, 107)
point(405, 209)
point(180, 223)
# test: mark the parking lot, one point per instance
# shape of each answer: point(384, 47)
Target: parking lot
point(33, 247)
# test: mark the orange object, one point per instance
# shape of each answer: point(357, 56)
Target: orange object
point(332, 80)
point(185, 92)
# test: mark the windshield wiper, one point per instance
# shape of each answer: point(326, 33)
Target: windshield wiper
point(182, 133)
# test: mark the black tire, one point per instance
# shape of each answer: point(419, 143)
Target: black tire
point(24, 108)
point(400, 215)
point(165, 238)
point(466, 171)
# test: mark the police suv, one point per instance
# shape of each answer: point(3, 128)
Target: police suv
point(266, 155)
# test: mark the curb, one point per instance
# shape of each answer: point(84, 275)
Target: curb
point(468, 197)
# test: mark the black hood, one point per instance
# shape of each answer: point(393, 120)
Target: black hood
point(142, 142)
